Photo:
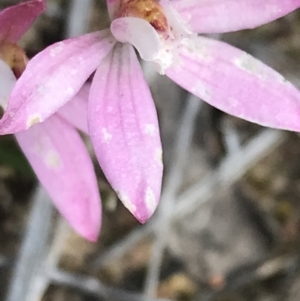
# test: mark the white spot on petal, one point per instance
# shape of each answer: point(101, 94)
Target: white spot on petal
point(150, 201)
point(70, 91)
point(251, 65)
point(110, 109)
point(127, 202)
point(150, 129)
point(32, 120)
point(159, 155)
point(106, 135)
point(56, 49)
point(41, 90)
point(233, 102)
point(257, 68)
point(201, 91)
point(53, 160)
point(74, 72)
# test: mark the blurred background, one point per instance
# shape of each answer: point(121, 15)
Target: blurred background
point(227, 228)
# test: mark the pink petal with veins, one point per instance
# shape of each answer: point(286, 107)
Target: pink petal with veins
point(16, 20)
point(125, 133)
point(218, 16)
point(237, 83)
point(52, 78)
point(75, 111)
point(63, 166)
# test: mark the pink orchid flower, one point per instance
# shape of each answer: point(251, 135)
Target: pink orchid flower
point(121, 115)
point(54, 148)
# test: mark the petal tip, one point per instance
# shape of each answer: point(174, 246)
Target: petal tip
point(142, 218)
point(90, 233)
point(144, 208)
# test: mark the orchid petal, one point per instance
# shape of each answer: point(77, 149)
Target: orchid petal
point(16, 20)
point(124, 131)
point(237, 83)
point(139, 33)
point(8, 81)
point(112, 7)
point(75, 111)
point(52, 78)
point(63, 166)
point(218, 16)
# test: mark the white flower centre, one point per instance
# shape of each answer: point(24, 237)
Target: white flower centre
point(154, 29)
point(178, 35)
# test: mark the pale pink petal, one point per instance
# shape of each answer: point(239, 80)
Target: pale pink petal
point(139, 33)
point(7, 82)
point(124, 131)
point(237, 83)
point(218, 16)
point(15, 20)
point(112, 6)
point(52, 78)
point(75, 111)
point(63, 166)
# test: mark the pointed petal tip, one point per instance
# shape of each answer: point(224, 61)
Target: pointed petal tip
point(142, 215)
point(89, 233)
point(89, 228)
point(15, 20)
point(87, 225)
point(62, 164)
point(142, 218)
point(125, 132)
point(141, 205)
